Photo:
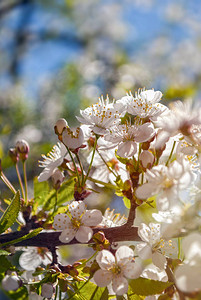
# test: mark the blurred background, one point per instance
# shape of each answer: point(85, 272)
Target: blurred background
point(57, 56)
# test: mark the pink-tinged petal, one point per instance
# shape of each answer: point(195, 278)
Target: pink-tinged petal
point(73, 138)
point(123, 255)
point(103, 278)
point(105, 259)
point(61, 222)
point(92, 217)
point(188, 278)
point(77, 208)
point(145, 133)
point(159, 260)
point(84, 234)
point(132, 270)
point(144, 250)
point(145, 191)
point(144, 232)
point(127, 149)
point(67, 235)
point(120, 285)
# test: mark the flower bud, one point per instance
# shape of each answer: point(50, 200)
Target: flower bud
point(11, 282)
point(60, 125)
point(23, 149)
point(57, 178)
point(14, 155)
point(47, 290)
point(147, 159)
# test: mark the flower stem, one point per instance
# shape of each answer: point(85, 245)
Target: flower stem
point(92, 158)
point(169, 158)
point(108, 185)
point(7, 183)
point(81, 167)
point(20, 181)
point(74, 164)
point(106, 164)
point(25, 180)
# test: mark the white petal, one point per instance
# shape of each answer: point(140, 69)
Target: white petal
point(105, 259)
point(146, 190)
point(45, 174)
point(67, 235)
point(84, 234)
point(145, 132)
point(132, 270)
point(127, 149)
point(103, 278)
point(73, 139)
point(77, 208)
point(144, 232)
point(30, 260)
point(92, 217)
point(120, 285)
point(188, 278)
point(144, 250)
point(123, 255)
point(159, 260)
point(61, 222)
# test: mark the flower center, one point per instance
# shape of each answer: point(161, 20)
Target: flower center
point(76, 223)
point(115, 269)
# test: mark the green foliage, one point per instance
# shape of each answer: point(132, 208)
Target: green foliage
point(127, 202)
point(4, 252)
point(11, 213)
point(146, 287)
point(21, 294)
point(25, 237)
point(89, 291)
point(65, 194)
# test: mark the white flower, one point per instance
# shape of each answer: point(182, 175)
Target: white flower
point(116, 269)
point(73, 139)
point(144, 104)
point(188, 275)
point(78, 224)
point(110, 219)
point(53, 160)
point(154, 273)
point(167, 182)
point(100, 116)
point(126, 137)
point(153, 246)
point(11, 283)
point(33, 257)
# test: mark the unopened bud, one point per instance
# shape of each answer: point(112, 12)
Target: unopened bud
point(14, 155)
point(11, 283)
point(23, 149)
point(60, 125)
point(147, 159)
point(57, 178)
point(47, 290)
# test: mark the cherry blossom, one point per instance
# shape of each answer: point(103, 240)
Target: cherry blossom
point(116, 269)
point(126, 137)
point(153, 245)
point(53, 160)
point(33, 257)
point(167, 182)
point(144, 104)
point(188, 275)
point(72, 138)
point(78, 224)
point(100, 116)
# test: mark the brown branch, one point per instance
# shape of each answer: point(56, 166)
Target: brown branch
point(51, 239)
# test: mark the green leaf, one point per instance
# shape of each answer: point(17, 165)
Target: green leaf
point(4, 252)
point(146, 287)
point(25, 237)
point(41, 189)
point(66, 193)
point(5, 265)
point(21, 294)
point(123, 160)
point(127, 202)
point(90, 291)
point(11, 213)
